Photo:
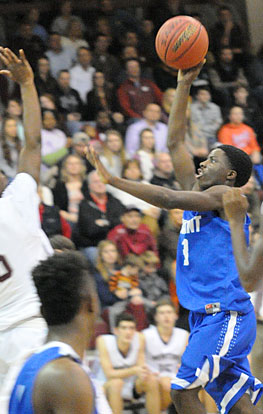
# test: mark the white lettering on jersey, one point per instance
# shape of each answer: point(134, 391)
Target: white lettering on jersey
point(191, 226)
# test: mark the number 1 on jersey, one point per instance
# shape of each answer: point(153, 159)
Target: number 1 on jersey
point(186, 252)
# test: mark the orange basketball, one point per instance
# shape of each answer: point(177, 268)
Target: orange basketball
point(182, 42)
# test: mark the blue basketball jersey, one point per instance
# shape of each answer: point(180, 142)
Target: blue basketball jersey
point(22, 393)
point(207, 279)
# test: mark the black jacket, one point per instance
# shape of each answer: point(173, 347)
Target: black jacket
point(60, 194)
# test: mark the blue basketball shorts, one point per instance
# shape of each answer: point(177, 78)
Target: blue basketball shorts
point(216, 358)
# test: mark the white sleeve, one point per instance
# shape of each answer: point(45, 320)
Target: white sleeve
point(23, 193)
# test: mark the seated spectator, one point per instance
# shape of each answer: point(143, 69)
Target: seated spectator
point(98, 214)
point(45, 83)
point(207, 115)
point(136, 92)
point(47, 101)
point(151, 284)
point(102, 60)
point(164, 347)
point(113, 155)
point(164, 173)
point(100, 98)
point(72, 187)
point(148, 42)
point(164, 76)
point(14, 110)
point(69, 103)
point(105, 121)
point(81, 75)
point(10, 146)
point(108, 261)
point(54, 140)
point(127, 278)
point(74, 35)
point(151, 119)
point(146, 153)
point(37, 29)
point(132, 236)
point(80, 143)
point(224, 76)
point(52, 221)
point(116, 353)
point(168, 98)
point(60, 23)
point(59, 57)
point(240, 135)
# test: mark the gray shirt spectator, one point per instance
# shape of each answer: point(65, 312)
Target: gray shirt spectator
point(59, 57)
point(81, 75)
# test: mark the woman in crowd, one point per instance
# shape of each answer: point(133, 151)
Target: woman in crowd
point(113, 154)
point(71, 188)
point(10, 146)
point(146, 153)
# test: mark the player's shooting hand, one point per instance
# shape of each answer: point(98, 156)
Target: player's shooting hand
point(17, 68)
point(94, 159)
point(235, 205)
point(189, 75)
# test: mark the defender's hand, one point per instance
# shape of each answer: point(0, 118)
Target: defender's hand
point(93, 158)
point(235, 205)
point(17, 68)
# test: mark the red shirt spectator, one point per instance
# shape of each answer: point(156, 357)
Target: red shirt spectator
point(132, 236)
point(136, 93)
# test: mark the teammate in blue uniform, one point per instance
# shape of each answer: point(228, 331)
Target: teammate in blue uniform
point(222, 319)
point(53, 378)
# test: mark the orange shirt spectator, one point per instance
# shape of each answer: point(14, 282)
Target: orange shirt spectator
point(240, 135)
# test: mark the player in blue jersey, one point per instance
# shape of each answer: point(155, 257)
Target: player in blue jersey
point(222, 319)
point(53, 380)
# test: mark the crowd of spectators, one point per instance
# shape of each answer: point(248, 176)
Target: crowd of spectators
point(101, 83)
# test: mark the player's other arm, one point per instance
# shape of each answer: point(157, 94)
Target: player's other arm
point(63, 387)
point(250, 266)
point(19, 70)
point(182, 161)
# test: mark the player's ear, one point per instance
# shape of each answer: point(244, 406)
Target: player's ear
point(232, 175)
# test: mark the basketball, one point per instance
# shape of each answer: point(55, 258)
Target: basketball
point(182, 42)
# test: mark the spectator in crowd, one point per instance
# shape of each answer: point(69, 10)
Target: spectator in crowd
point(168, 98)
point(127, 278)
point(59, 57)
point(81, 75)
point(60, 24)
point(128, 53)
point(122, 368)
point(102, 60)
point(146, 153)
point(98, 214)
point(207, 115)
point(148, 42)
point(240, 135)
point(45, 83)
point(105, 121)
point(225, 75)
point(74, 35)
point(164, 173)
point(37, 29)
point(227, 33)
point(52, 221)
point(10, 146)
point(153, 287)
point(151, 119)
point(132, 236)
point(47, 101)
point(136, 92)
point(108, 261)
point(54, 140)
point(72, 187)
point(69, 103)
point(14, 110)
point(101, 97)
point(164, 76)
point(113, 154)
point(164, 347)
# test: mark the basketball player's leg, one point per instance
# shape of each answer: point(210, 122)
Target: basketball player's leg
point(187, 401)
point(165, 392)
point(113, 389)
point(152, 393)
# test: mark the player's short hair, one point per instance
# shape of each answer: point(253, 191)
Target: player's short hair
point(63, 281)
point(124, 317)
point(239, 162)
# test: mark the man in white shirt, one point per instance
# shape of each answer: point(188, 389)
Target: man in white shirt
point(59, 57)
point(22, 242)
point(81, 75)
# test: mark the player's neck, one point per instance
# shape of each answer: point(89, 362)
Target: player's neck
point(165, 332)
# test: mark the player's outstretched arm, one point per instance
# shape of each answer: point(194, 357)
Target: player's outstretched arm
point(19, 70)
point(162, 197)
point(183, 164)
point(250, 266)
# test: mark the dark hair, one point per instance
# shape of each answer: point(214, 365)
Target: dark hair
point(62, 282)
point(62, 71)
point(124, 316)
point(164, 301)
point(4, 143)
point(224, 8)
point(240, 162)
point(83, 48)
point(203, 88)
point(59, 242)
